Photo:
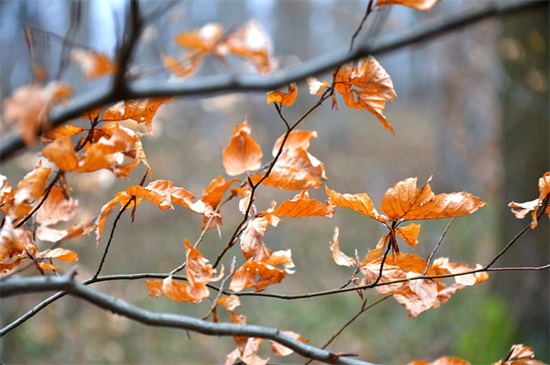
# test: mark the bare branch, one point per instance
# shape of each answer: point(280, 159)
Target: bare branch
point(120, 307)
point(248, 83)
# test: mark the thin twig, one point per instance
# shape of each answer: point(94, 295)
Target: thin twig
point(436, 247)
point(67, 285)
point(247, 83)
point(358, 30)
point(517, 236)
point(115, 222)
point(362, 310)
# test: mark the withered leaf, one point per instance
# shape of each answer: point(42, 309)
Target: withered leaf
point(93, 64)
point(423, 5)
point(361, 203)
point(302, 206)
point(285, 99)
point(28, 107)
point(406, 201)
point(243, 153)
point(366, 86)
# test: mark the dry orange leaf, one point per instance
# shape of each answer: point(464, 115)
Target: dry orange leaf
point(406, 201)
point(61, 153)
point(157, 192)
point(56, 208)
point(111, 144)
point(60, 254)
point(243, 153)
point(296, 169)
point(316, 87)
point(338, 256)
point(250, 41)
point(141, 111)
point(409, 233)
point(213, 193)
point(203, 39)
point(258, 275)
point(302, 206)
point(29, 191)
point(281, 350)
point(285, 99)
point(183, 68)
point(361, 203)
point(366, 86)
point(199, 273)
point(28, 107)
point(46, 233)
point(423, 5)
point(520, 354)
point(445, 360)
point(252, 245)
point(229, 302)
point(520, 210)
point(121, 197)
point(93, 64)
point(65, 130)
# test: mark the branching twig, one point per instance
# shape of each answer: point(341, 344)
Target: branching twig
point(517, 236)
point(115, 222)
point(248, 83)
point(125, 309)
point(363, 309)
point(436, 247)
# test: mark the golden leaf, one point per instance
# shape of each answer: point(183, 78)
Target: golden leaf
point(285, 99)
point(93, 64)
point(423, 5)
point(366, 86)
point(28, 107)
point(61, 153)
point(302, 206)
point(243, 153)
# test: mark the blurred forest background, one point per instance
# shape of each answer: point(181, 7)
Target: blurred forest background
point(472, 110)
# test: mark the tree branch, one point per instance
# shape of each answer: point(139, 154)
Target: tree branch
point(68, 285)
point(249, 83)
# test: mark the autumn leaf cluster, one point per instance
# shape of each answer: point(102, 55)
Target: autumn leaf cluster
point(41, 213)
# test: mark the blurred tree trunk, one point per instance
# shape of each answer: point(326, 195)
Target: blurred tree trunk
point(524, 48)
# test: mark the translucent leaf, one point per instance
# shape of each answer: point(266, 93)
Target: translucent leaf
point(28, 107)
point(406, 201)
point(409, 234)
point(302, 206)
point(141, 111)
point(316, 87)
point(295, 169)
point(281, 350)
point(251, 42)
point(123, 198)
point(61, 153)
point(229, 302)
point(243, 153)
point(65, 130)
point(203, 39)
point(285, 99)
point(59, 254)
point(256, 275)
point(358, 202)
point(366, 86)
point(445, 360)
point(56, 208)
point(423, 5)
point(93, 64)
point(338, 256)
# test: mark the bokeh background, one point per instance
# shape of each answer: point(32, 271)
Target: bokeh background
point(472, 110)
